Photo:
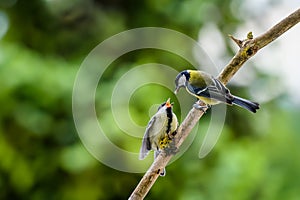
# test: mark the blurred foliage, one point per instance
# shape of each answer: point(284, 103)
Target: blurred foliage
point(257, 156)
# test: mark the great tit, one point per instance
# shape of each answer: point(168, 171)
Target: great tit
point(210, 90)
point(158, 131)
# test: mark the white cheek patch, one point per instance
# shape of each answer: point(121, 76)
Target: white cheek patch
point(182, 81)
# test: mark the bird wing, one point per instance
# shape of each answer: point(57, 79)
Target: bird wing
point(146, 143)
point(216, 90)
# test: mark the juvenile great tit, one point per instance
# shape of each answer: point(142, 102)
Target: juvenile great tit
point(210, 90)
point(158, 131)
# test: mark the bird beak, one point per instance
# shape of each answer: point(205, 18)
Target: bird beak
point(168, 104)
point(176, 90)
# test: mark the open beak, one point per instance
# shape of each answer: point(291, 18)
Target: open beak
point(168, 104)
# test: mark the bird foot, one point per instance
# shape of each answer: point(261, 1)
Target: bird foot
point(171, 149)
point(203, 108)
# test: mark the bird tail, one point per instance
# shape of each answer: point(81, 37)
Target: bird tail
point(244, 103)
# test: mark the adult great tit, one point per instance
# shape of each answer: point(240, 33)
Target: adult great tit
point(210, 90)
point(158, 131)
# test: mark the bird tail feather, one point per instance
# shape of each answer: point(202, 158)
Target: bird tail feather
point(244, 103)
point(162, 172)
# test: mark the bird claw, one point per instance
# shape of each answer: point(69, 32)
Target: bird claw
point(171, 149)
point(200, 107)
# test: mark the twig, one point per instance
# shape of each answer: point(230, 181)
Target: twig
point(248, 48)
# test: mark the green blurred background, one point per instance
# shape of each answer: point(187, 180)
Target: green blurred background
point(42, 44)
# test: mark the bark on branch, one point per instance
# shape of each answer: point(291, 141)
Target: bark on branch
point(248, 48)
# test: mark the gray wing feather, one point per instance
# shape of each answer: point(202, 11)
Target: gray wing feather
point(215, 91)
point(146, 143)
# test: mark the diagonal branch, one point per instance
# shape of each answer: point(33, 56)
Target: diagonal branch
point(248, 48)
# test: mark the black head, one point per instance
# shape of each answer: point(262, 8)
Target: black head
point(167, 104)
point(181, 80)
